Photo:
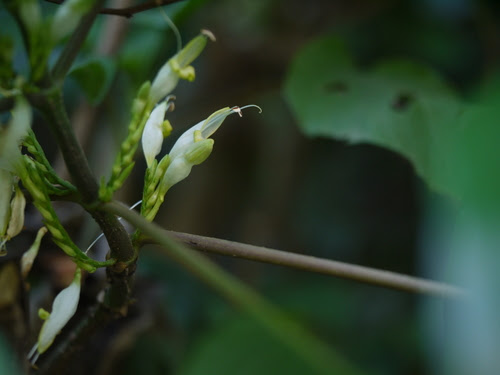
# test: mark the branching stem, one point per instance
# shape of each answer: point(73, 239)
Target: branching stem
point(52, 107)
point(309, 263)
point(308, 347)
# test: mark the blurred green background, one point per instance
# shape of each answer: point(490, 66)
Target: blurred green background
point(271, 182)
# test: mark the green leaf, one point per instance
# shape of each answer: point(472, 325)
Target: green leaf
point(8, 363)
point(474, 158)
point(241, 346)
point(397, 104)
point(95, 77)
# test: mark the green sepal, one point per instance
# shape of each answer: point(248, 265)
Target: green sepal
point(43, 314)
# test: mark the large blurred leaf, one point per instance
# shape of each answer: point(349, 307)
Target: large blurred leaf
point(397, 104)
point(474, 157)
point(241, 346)
point(95, 77)
point(8, 363)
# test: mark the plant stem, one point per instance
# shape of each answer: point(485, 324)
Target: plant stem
point(317, 354)
point(75, 43)
point(309, 263)
point(52, 107)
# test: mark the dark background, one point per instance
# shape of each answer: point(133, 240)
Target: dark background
point(267, 184)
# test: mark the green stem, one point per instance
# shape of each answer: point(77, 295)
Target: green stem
point(386, 279)
point(52, 107)
point(321, 358)
point(75, 43)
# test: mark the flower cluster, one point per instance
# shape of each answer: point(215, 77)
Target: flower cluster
point(192, 148)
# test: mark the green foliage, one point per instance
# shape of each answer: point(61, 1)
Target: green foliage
point(8, 363)
point(95, 77)
point(453, 146)
point(397, 104)
point(402, 106)
point(241, 346)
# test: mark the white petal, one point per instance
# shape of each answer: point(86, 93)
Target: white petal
point(63, 308)
point(177, 171)
point(29, 256)
point(17, 206)
point(184, 141)
point(152, 136)
point(164, 83)
point(215, 120)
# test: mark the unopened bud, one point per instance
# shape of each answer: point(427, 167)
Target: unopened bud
point(17, 206)
point(29, 256)
point(178, 67)
point(152, 136)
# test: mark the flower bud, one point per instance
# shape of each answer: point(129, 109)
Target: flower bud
point(17, 206)
point(178, 67)
point(154, 130)
point(206, 127)
point(141, 100)
point(192, 148)
point(29, 256)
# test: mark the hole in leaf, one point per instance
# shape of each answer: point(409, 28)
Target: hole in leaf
point(336, 86)
point(402, 102)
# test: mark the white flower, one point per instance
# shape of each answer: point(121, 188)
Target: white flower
point(63, 308)
point(193, 147)
point(178, 67)
point(154, 132)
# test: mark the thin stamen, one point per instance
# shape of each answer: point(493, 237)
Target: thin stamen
point(33, 354)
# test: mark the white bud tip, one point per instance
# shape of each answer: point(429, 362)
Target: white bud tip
point(237, 110)
point(208, 34)
point(170, 102)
